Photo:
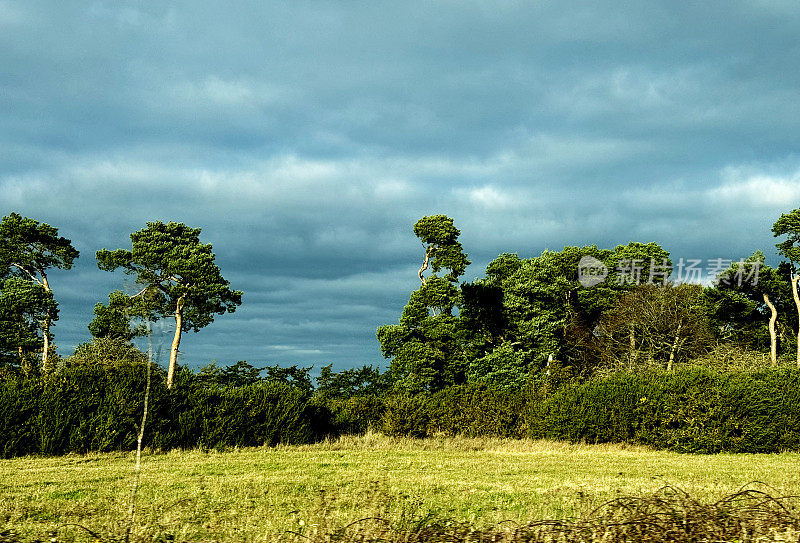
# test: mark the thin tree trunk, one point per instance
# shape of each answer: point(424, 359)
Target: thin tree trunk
point(674, 347)
point(46, 332)
point(773, 347)
point(795, 279)
point(634, 354)
point(138, 468)
point(176, 342)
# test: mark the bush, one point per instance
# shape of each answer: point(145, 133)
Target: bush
point(19, 410)
point(470, 410)
point(356, 414)
point(405, 415)
point(106, 351)
point(82, 409)
point(694, 409)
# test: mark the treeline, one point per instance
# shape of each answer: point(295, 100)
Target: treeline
point(690, 409)
point(586, 310)
point(584, 344)
point(176, 278)
point(579, 310)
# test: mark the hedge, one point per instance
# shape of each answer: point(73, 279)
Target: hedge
point(85, 409)
point(692, 409)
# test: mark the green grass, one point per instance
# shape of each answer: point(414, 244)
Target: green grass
point(261, 493)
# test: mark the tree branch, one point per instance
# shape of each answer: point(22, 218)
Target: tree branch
point(425, 263)
point(140, 292)
point(32, 276)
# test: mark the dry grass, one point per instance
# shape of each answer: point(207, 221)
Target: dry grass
point(457, 486)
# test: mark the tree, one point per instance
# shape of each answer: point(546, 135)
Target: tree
point(29, 249)
point(788, 224)
point(107, 351)
point(744, 296)
point(179, 278)
point(667, 323)
point(114, 320)
point(23, 307)
point(546, 309)
point(442, 248)
point(363, 381)
point(425, 346)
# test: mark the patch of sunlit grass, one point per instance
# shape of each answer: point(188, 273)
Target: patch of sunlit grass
point(257, 493)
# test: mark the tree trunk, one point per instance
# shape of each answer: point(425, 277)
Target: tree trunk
point(176, 342)
point(773, 347)
point(46, 333)
point(674, 347)
point(795, 279)
point(634, 354)
point(424, 264)
point(45, 350)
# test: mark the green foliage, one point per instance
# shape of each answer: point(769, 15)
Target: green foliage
point(356, 414)
point(427, 346)
point(693, 409)
point(788, 224)
point(736, 304)
point(169, 260)
point(257, 414)
point(97, 408)
point(106, 351)
point(364, 381)
point(114, 320)
point(502, 329)
point(243, 374)
point(239, 374)
point(406, 415)
point(23, 306)
point(470, 410)
point(28, 248)
point(476, 410)
point(19, 410)
point(440, 237)
point(299, 378)
point(503, 369)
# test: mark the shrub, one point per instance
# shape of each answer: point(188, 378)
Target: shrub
point(106, 351)
point(83, 408)
point(405, 415)
point(356, 414)
point(19, 408)
point(694, 409)
point(470, 410)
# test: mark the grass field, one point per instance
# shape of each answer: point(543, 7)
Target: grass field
point(259, 494)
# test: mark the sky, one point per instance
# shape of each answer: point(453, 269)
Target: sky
point(305, 138)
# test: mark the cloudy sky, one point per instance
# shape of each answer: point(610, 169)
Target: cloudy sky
point(306, 137)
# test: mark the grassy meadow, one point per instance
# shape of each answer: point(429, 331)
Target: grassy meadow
point(264, 494)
